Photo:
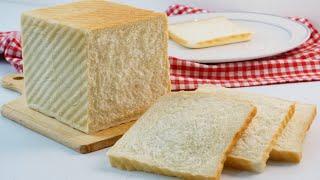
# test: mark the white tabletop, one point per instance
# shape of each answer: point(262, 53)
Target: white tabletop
point(25, 154)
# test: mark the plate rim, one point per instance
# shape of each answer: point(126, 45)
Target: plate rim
point(307, 36)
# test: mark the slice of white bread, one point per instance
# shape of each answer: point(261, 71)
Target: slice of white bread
point(184, 134)
point(289, 145)
point(253, 148)
point(209, 32)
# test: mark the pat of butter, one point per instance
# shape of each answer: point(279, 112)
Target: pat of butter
point(209, 32)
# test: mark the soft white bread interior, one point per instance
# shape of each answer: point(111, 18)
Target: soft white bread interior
point(209, 32)
point(183, 134)
point(289, 145)
point(252, 150)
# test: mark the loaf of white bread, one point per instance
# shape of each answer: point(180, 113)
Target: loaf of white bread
point(208, 32)
point(252, 150)
point(94, 64)
point(183, 134)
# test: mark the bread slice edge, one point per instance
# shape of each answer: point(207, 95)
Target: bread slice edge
point(293, 156)
point(236, 137)
point(212, 42)
point(259, 166)
point(127, 163)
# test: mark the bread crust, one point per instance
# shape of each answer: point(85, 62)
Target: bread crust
point(236, 138)
point(288, 156)
point(244, 164)
point(278, 154)
point(127, 163)
point(85, 14)
point(211, 42)
point(132, 165)
point(256, 163)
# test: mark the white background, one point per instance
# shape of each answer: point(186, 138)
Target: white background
point(25, 154)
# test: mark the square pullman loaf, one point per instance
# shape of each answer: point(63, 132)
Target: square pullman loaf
point(289, 145)
point(183, 134)
point(252, 150)
point(94, 64)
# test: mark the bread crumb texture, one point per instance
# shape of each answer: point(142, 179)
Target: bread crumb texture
point(252, 150)
point(183, 134)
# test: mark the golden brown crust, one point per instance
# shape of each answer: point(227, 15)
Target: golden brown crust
point(244, 164)
point(132, 165)
point(287, 156)
point(313, 116)
point(93, 14)
point(224, 41)
point(238, 163)
point(293, 156)
point(279, 131)
point(178, 40)
point(212, 42)
point(235, 139)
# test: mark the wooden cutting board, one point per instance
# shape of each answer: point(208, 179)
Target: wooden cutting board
point(18, 111)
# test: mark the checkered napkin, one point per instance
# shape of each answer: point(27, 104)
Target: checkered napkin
point(300, 64)
point(10, 48)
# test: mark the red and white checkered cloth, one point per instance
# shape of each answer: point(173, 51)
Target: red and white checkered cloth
point(10, 48)
point(300, 64)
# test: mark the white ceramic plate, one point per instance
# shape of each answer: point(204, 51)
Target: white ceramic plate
point(272, 35)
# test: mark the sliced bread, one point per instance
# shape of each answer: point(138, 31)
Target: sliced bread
point(252, 150)
point(184, 134)
point(289, 145)
point(208, 32)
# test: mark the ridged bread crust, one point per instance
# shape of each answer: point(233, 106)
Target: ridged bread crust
point(289, 145)
point(183, 134)
point(94, 64)
point(55, 70)
point(252, 150)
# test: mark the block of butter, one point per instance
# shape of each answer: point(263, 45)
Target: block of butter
point(209, 32)
point(94, 64)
